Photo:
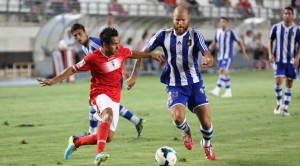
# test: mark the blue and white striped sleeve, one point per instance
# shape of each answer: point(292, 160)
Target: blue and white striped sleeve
point(156, 40)
point(200, 42)
point(235, 36)
point(273, 32)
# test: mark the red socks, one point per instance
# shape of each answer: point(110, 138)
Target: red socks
point(87, 140)
point(102, 135)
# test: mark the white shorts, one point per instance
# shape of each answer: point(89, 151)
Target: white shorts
point(103, 102)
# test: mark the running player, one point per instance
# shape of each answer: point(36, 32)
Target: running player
point(90, 44)
point(105, 65)
point(184, 85)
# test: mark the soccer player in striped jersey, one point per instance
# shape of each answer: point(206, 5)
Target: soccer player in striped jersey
point(284, 53)
point(225, 38)
point(90, 44)
point(184, 85)
point(105, 65)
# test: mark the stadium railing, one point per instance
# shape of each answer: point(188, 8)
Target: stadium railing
point(37, 10)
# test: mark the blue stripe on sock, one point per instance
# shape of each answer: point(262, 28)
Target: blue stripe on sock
point(128, 115)
point(93, 123)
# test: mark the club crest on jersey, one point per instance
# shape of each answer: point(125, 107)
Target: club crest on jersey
point(80, 64)
point(292, 33)
point(189, 42)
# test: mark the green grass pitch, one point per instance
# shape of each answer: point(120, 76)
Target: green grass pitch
point(37, 121)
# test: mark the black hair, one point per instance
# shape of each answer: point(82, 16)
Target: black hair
point(77, 26)
point(289, 8)
point(106, 35)
point(225, 18)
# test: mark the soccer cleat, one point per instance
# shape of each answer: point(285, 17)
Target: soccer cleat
point(209, 153)
point(227, 94)
point(139, 127)
point(101, 157)
point(277, 110)
point(187, 140)
point(285, 112)
point(71, 148)
point(215, 92)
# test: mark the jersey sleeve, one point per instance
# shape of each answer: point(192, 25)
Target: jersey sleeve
point(126, 52)
point(84, 64)
point(156, 40)
point(298, 36)
point(216, 37)
point(235, 37)
point(273, 32)
point(200, 42)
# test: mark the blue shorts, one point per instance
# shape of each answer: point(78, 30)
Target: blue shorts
point(285, 70)
point(193, 95)
point(224, 64)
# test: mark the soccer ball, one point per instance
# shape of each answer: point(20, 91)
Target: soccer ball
point(165, 156)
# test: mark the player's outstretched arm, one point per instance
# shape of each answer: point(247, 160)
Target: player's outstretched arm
point(208, 60)
point(66, 73)
point(138, 55)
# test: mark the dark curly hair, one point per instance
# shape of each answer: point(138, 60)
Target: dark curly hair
point(107, 34)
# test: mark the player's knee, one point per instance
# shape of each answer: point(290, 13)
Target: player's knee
point(107, 115)
point(178, 120)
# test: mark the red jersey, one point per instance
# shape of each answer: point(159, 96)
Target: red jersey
point(106, 72)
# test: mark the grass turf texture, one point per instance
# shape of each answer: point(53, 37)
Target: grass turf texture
point(36, 123)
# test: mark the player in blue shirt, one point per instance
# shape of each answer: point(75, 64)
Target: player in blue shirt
point(184, 85)
point(89, 44)
point(225, 38)
point(284, 53)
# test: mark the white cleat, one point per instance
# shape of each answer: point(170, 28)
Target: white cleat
point(277, 110)
point(227, 94)
point(214, 92)
point(285, 113)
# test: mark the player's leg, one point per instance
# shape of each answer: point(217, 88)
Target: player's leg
point(279, 74)
point(227, 81)
point(291, 74)
point(137, 121)
point(220, 81)
point(176, 106)
point(93, 122)
point(199, 105)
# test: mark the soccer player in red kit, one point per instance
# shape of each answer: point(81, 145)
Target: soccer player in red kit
point(105, 65)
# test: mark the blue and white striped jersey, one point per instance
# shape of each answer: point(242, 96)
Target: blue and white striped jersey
point(286, 38)
point(93, 44)
point(181, 53)
point(225, 40)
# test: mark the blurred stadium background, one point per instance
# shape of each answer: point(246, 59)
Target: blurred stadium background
point(31, 29)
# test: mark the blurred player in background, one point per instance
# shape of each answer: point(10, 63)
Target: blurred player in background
point(285, 56)
point(184, 84)
point(90, 44)
point(225, 38)
point(105, 65)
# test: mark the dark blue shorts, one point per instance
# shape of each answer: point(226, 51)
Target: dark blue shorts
point(285, 70)
point(193, 95)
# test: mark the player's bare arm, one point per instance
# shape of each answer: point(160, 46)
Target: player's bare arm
point(137, 65)
point(65, 74)
point(212, 46)
point(297, 58)
point(208, 60)
point(271, 56)
point(138, 55)
point(243, 50)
